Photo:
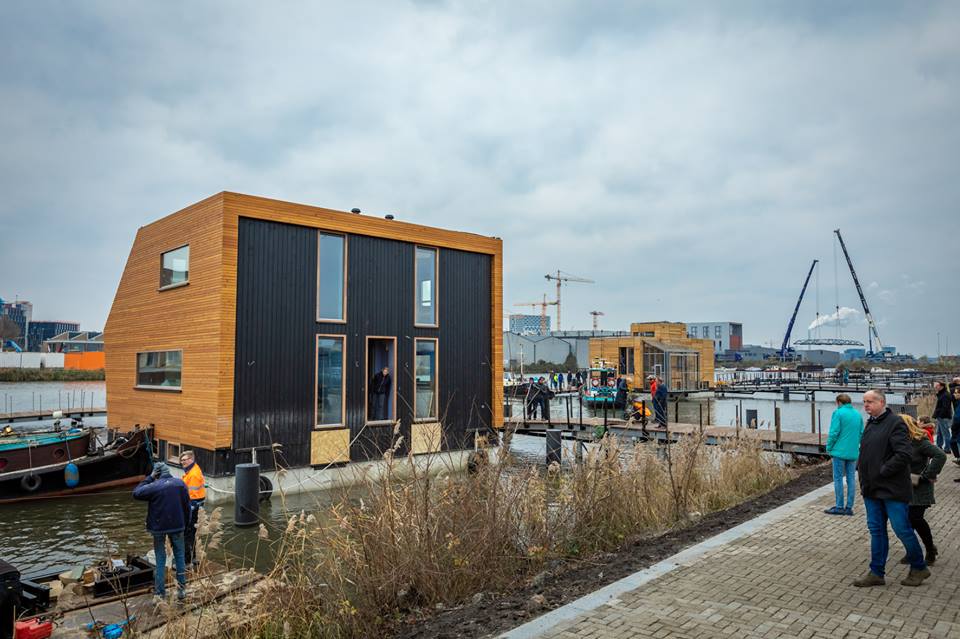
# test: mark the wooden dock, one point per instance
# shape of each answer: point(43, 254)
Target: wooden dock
point(798, 443)
point(39, 416)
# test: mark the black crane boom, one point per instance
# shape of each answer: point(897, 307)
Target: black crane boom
point(872, 333)
point(793, 318)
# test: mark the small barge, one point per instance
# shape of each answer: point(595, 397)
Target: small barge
point(69, 461)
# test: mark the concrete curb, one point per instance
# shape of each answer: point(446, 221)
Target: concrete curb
point(541, 625)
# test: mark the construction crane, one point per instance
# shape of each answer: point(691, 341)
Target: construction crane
point(543, 311)
point(560, 278)
point(596, 314)
point(793, 318)
point(872, 332)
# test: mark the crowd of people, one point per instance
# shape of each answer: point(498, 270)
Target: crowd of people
point(898, 460)
point(542, 389)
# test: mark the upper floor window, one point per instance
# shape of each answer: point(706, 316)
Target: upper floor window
point(175, 267)
point(426, 283)
point(717, 331)
point(331, 277)
point(706, 331)
point(159, 369)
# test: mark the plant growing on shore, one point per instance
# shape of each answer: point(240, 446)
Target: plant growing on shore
point(419, 538)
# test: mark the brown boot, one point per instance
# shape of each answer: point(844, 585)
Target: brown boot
point(870, 579)
point(915, 577)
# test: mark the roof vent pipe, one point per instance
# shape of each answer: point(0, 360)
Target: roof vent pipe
point(355, 210)
point(388, 217)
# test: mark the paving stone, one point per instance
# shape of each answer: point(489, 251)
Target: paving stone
point(793, 578)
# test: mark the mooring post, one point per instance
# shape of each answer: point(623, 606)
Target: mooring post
point(554, 445)
point(569, 410)
point(578, 451)
point(819, 434)
point(701, 418)
point(708, 411)
point(676, 411)
point(813, 415)
point(581, 412)
point(776, 423)
point(246, 487)
point(604, 416)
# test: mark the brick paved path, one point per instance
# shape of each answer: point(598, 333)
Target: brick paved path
point(792, 579)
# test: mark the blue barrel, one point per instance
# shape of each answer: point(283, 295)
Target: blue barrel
point(246, 486)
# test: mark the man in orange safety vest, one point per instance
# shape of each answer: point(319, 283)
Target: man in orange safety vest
point(193, 478)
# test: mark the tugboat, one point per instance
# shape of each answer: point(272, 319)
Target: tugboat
point(601, 387)
point(67, 461)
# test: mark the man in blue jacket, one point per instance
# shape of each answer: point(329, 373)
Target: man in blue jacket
point(168, 512)
point(843, 445)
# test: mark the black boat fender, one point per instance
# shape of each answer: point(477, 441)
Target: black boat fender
point(266, 488)
point(30, 483)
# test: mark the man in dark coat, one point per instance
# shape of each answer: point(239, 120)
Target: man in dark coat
point(884, 468)
point(943, 414)
point(660, 402)
point(533, 398)
point(620, 399)
point(379, 390)
point(168, 511)
point(545, 395)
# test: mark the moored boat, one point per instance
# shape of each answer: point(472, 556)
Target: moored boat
point(601, 387)
point(45, 464)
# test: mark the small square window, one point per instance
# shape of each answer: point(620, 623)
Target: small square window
point(175, 267)
point(173, 453)
point(159, 369)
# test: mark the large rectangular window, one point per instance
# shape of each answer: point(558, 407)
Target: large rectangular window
point(426, 283)
point(330, 380)
point(159, 369)
point(626, 365)
point(425, 376)
point(175, 267)
point(331, 277)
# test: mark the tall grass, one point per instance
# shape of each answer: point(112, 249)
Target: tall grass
point(418, 539)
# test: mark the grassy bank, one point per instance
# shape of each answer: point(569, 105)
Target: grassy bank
point(50, 375)
point(416, 541)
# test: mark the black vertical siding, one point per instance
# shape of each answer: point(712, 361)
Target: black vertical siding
point(276, 333)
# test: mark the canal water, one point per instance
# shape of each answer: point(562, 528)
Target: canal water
point(60, 532)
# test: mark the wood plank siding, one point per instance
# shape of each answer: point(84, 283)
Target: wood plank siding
point(201, 318)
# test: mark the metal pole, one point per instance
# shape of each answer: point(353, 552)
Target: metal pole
point(604, 416)
point(776, 422)
point(676, 411)
point(554, 445)
point(813, 416)
point(819, 434)
point(701, 418)
point(581, 412)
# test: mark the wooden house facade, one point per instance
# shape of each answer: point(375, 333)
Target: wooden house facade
point(242, 322)
point(658, 348)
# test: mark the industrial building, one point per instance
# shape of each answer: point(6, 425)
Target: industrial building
point(529, 324)
point(726, 336)
point(42, 330)
point(658, 348)
point(242, 322)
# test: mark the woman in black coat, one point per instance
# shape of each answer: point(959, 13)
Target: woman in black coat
point(926, 462)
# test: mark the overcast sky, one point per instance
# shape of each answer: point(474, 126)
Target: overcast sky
point(693, 161)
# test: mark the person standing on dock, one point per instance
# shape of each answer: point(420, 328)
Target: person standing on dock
point(843, 445)
point(884, 467)
point(168, 510)
point(660, 401)
point(193, 478)
point(943, 413)
point(379, 389)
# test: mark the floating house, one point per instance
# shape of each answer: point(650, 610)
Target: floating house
point(658, 348)
point(247, 326)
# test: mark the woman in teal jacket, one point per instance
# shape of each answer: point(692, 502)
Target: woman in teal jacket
point(843, 445)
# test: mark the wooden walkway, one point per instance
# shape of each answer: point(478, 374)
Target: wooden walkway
point(798, 443)
point(38, 416)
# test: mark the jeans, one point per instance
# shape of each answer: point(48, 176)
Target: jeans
point(844, 468)
point(878, 511)
point(943, 432)
point(160, 573)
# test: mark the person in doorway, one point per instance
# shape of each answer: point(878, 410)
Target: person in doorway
point(193, 479)
point(943, 413)
point(926, 462)
point(168, 510)
point(843, 446)
point(884, 467)
point(379, 390)
point(660, 402)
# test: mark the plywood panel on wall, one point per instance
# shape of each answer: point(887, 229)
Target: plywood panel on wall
point(329, 446)
point(425, 437)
